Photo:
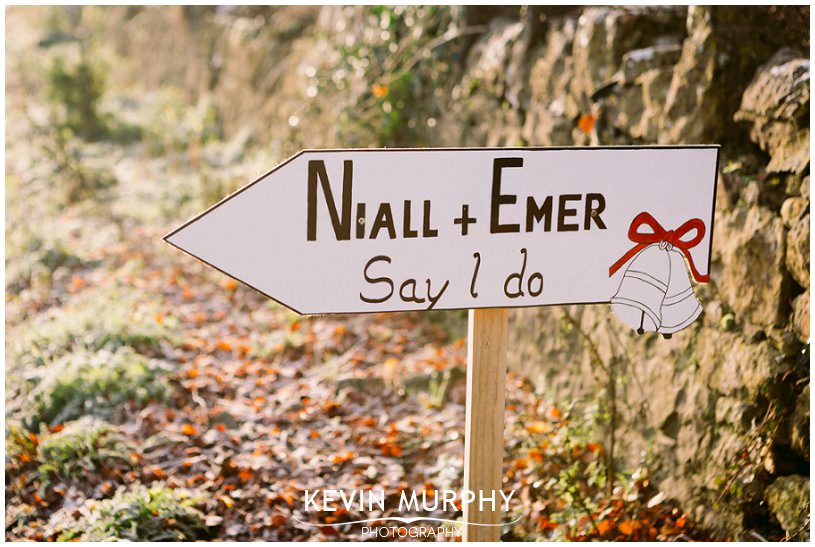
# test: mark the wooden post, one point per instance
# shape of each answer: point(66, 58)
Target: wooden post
point(484, 429)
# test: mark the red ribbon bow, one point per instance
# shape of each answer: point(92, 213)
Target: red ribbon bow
point(659, 234)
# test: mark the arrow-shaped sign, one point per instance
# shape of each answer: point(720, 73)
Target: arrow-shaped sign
point(350, 231)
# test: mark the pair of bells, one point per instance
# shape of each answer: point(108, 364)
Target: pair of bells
point(655, 294)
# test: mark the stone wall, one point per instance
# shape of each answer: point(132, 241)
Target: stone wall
point(720, 412)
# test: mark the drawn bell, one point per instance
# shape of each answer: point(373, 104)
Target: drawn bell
point(680, 307)
point(638, 302)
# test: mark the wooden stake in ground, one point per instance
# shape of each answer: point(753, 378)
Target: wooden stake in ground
point(484, 430)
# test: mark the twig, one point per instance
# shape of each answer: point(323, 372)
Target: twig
point(612, 397)
point(582, 503)
point(757, 536)
point(612, 427)
point(595, 354)
point(433, 44)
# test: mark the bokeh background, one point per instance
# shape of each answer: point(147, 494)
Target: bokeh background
point(148, 397)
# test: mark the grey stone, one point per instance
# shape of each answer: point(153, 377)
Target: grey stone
point(751, 250)
point(792, 209)
point(638, 61)
point(797, 259)
point(799, 429)
point(800, 316)
point(688, 103)
point(788, 498)
point(777, 104)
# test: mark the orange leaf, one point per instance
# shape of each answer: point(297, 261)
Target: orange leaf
point(314, 434)
point(342, 458)
point(626, 527)
point(603, 526)
point(521, 463)
point(681, 521)
point(538, 427)
point(392, 449)
point(189, 430)
point(586, 123)
point(555, 413)
point(245, 474)
point(224, 345)
point(339, 330)
point(535, 454)
point(379, 91)
point(230, 284)
point(278, 521)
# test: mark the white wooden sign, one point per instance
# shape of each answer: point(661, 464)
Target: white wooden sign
point(354, 231)
point(350, 231)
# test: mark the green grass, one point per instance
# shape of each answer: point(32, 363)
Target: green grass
point(85, 383)
point(36, 257)
point(138, 514)
point(84, 446)
point(93, 321)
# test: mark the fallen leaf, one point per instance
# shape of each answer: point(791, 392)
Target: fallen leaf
point(626, 527)
point(586, 123)
point(227, 501)
point(603, 526)
point(224, 345)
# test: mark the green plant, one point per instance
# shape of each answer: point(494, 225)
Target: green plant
point(169, 123)
point(138, 514)
point(396, 65)
point(75, 177)
point(94, 321)
point(34, 256)
point(98, 383)
point(76, 90)
point(81, 447)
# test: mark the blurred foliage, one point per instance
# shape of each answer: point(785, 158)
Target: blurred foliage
point(76, 178)
point(85, 383)
point(77, 89)
point(559, 466)
point(83, 446)
point(138, 513)
point(170, 124)
point(97, 320)
point(396, 64)
point(36, 257)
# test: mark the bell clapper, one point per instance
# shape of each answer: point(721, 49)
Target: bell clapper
point(642, 319)
point(667, 336)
